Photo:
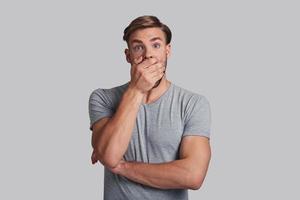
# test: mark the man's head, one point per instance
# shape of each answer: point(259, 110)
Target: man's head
point(146, 36)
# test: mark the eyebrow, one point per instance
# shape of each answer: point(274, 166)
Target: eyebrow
point(152, 39)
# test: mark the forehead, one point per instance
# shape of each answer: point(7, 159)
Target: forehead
point(147, 34)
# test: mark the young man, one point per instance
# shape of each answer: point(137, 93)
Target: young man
point(151, 135)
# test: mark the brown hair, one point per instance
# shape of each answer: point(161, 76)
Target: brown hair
point(146, 21)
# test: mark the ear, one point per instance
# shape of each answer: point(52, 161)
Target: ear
point(168, 49)
point(127, 54)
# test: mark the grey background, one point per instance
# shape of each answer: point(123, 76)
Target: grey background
point(242, 55)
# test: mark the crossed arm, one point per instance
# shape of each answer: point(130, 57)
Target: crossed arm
point(188, 172)
point(110, 140)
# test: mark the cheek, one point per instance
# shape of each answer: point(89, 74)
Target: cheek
point(134, 56)
point(164, 58)
point(161, 56)
point(136, 53)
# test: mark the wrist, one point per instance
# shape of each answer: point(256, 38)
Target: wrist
point(121, 168)
point(137, 94)
point(129, 169)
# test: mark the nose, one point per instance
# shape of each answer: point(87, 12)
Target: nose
point(148, 54)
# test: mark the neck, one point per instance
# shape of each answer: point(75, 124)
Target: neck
point(155, 93)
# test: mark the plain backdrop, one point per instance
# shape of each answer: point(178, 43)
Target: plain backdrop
point(242, 55)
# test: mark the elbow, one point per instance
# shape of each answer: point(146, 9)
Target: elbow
point(108, 160)
point(110, 163)
point(195, 185)
point(195, 182)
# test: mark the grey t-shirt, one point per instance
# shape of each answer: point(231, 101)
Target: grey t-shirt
point(156, 135)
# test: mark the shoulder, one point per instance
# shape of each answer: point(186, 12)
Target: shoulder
point(110, 91)
point(108, 94)
point(188, 97)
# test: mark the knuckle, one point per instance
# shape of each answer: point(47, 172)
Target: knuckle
point(143, 73)
point(148, 80)
point(139, 69)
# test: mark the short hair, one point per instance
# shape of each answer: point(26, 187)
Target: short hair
point(146, 21)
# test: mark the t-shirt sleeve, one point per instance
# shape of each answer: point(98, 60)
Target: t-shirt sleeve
point(198, 117)
point(99, 106)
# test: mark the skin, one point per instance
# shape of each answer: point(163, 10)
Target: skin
point(148, 53)
point(111, 136)
point(146, 44)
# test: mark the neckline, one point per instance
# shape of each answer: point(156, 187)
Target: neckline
point(159, 98)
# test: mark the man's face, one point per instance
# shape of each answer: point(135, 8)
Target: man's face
point(148, 42)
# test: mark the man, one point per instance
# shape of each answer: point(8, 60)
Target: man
point(151, 135)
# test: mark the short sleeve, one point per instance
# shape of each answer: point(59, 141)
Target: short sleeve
point(99, 106)
point(197, 120)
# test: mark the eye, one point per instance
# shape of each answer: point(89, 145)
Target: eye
point(137, 47)
point(156, 45)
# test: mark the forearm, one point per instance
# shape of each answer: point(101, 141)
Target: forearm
point(176, 174)
point(115, 136)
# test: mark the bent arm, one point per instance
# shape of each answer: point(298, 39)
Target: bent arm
point(186, 173)
point(171, 175)
point(110, 142)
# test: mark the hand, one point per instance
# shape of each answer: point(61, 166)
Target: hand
point(145, 73)
point(94, 157)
